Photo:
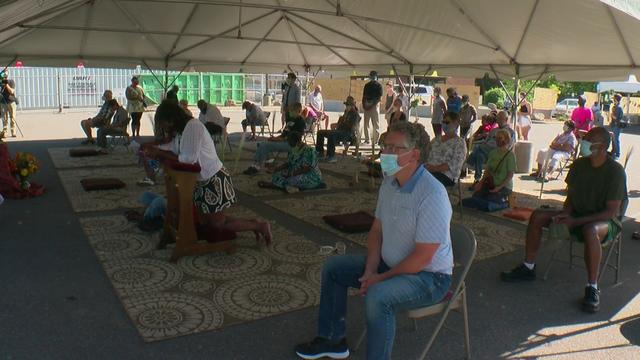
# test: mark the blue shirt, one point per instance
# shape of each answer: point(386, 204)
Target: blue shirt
point(454, 104)
point(418, 212)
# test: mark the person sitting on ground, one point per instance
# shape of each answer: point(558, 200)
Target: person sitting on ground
point(481, 150)
point(300, 172)
point(211, 117)
point(582, 116)
point(561, 149)
point(101, 119)
point(254, 116)
point(214, 191)
point(497, 181)
point(447, 152)
point(278, 143)
point(184, 104)
point(173, 93)
point(315, 101)
point(596, 190)
point(397, 114)
point(409, 260)
point(118, 124)
point(148, 154)
point(345, 130)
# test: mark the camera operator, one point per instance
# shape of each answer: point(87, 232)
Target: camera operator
point(8, 103)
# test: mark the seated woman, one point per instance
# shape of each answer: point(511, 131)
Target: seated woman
point(447, 152)
point(396, 113)
point(489, 122)
point(300, 172)
point(214, 190)
point(560, 149)
point(497, 181)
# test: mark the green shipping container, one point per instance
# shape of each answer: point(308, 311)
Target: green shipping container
point(215, 88)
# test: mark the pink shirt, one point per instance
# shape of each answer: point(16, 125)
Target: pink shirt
point(582, 117)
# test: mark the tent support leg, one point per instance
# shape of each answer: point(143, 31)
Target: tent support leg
point(152, 72)
point(180, 73)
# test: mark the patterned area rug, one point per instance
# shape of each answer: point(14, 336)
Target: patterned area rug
point(493, 239)
point(126, 197)
point(207, 292)
point(119, 156)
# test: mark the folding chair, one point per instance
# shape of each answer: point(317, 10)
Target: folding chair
point(614, 244)
point(570, 160)
point(464, 251)
point(267, 114)
point(223, 137)
point(310, 129)
point(121, 138)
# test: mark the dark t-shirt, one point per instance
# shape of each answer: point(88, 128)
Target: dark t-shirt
point(591, 188)
point(6, 98)
point(294, 124)
point(349, 121)
point(172, 95)
point(372, 92)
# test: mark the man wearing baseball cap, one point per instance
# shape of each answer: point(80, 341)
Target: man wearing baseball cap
point(345, 130)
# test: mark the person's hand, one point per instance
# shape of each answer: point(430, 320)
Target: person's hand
point(368, 279)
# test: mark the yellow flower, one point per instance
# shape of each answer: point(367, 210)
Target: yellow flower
point(24, 172)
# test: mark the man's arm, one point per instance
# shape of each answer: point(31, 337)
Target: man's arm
point(414, 263)
point(610, 212)
point(374, 246)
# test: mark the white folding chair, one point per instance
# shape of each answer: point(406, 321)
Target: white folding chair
point(464, 251)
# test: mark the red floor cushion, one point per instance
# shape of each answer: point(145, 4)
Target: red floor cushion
point(519, 213)
point(352, 223)
point(92, 184)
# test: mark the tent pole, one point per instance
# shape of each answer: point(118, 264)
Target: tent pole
point(516, 86)
point(504, 88)
point(152, 73)
point(180, 73)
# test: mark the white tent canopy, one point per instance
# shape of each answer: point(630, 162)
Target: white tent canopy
point(573, 39)
point(630, 86)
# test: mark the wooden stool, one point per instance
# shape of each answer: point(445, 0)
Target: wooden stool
point(179, 224)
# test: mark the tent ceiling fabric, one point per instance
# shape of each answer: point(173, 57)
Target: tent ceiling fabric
point(574, 39)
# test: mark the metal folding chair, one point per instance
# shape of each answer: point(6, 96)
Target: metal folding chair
point(267, 114)
point(464, 251)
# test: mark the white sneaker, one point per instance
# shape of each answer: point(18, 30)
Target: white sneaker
point(146, 182)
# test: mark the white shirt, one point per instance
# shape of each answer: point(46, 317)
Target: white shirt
point(315, 101)
point(213, 115)
point(196, 146)
point(173, 145)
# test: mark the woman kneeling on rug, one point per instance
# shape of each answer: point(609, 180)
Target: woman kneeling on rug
point(214, 190)
point(300, 172)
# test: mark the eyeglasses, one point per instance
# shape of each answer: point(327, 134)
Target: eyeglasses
point(393, 148)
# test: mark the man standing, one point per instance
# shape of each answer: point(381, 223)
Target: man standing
point(135, 104)
point(468, 115)
point(371, 95)
point(290, 97)
point(409, 257)
point(617, 123)
point(317, 104)
point(439, 108)
point(8, 103)
point(596, 189)
point(173, 93)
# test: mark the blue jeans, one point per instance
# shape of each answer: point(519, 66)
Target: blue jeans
point(477, 159)
point(383, 299)
point(156, 205)
point(266, 148)
point(616, 140)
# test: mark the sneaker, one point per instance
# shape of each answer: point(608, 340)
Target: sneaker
point(321, 347)
point(146, 182)
point(518, 274)
point(291, 189)
point(591, 302)
point(251, 170)
point(332, 160)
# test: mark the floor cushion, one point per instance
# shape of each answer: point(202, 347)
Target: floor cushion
point(83, 152)
point(352, 223)
point(92, 184)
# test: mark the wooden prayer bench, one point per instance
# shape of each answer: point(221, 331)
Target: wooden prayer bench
point(179, 224)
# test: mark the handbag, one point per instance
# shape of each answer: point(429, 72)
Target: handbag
point(488, 182)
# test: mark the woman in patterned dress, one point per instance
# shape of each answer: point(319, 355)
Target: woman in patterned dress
point(214, 190)
point(300, 172)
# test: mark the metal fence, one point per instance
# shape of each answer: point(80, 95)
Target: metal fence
point(63, 88)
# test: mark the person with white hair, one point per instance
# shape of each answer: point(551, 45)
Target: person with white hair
point(315, 101)
point(560, 149)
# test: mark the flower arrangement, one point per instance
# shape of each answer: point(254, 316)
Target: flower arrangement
point(24, 165)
